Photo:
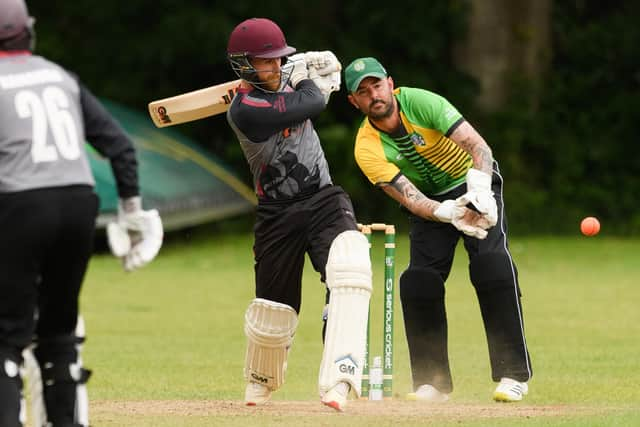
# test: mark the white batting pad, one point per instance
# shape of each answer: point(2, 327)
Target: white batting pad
point(33, 380)
point(82, 396)
point(31, 375)
point(349, 279)
point(269, 327)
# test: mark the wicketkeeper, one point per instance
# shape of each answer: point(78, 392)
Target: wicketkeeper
point(48, 213)
point(416, 147)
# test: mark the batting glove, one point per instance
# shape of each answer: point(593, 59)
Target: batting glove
point(327, 84)
point(298, 65)
point(325, 62)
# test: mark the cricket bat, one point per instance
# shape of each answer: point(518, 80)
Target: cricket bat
point(209, 101)
point(193, 105)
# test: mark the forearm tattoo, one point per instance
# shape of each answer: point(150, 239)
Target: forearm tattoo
point(470, 140)
point(413, 199)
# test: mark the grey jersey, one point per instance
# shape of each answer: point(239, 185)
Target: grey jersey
point(41, 126)
point(279, 142)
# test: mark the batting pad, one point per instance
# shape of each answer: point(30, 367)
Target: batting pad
point(32, 376)
point(349, 280)
point(269, 327)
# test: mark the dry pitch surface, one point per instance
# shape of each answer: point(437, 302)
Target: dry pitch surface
point(397, 410)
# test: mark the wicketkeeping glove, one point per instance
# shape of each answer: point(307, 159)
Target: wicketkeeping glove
point(469, 222)
point(136, 237)
point(479, 194)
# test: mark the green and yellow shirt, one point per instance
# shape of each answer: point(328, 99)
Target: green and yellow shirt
point(426, 156)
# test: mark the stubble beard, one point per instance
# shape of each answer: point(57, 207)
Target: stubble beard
point(384, 114)
point(273, 83)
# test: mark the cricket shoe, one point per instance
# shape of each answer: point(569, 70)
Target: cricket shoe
point(256, 394)
point(428, 393)
point(336, 397)
point(510, 390)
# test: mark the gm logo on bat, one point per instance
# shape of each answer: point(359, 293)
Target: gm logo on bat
point(162, 115)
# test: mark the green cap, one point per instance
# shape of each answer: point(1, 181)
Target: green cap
point(360, 69)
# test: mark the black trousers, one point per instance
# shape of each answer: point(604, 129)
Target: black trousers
point(495, 279)
point(46, 240)
point(284, 233)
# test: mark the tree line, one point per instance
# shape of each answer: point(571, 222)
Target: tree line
point(560, 116)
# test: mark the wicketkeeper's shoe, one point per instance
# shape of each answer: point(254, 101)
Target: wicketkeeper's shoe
point(256, 394)
point(510, 390)
point(428, 393)
point(336, 397)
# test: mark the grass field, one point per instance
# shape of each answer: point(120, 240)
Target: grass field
point(167, 347)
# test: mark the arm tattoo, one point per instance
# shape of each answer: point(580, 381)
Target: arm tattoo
point(470, 141)
point(409, 196)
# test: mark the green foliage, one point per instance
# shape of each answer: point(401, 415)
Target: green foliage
point(573, 155)
point(566, 156)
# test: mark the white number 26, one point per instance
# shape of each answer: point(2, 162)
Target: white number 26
point(49, 111)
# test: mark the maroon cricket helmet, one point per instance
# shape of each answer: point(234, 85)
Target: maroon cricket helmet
point(14, 18)
point(259, 38)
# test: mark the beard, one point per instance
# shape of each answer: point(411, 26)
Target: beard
point(272, 83)
point(380, 114)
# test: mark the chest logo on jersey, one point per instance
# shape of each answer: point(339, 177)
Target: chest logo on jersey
point(417, 139)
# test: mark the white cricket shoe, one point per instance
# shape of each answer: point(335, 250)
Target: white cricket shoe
point(336, 397)
point(256, 394)
point(510, 390)
point(428, 393)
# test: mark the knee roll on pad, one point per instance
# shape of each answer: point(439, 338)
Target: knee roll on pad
point(349, 280)
point(348, 263)
point(269, 327)
point(492, 270)
point(421, 283)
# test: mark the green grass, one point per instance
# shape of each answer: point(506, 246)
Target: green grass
point(174, 331)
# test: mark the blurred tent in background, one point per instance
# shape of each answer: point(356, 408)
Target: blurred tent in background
point(185, 183)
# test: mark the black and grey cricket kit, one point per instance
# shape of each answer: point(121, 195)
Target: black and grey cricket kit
point(279, 142)
point(299, 211)
point(284, 233)
point(48, 212)
point(45, 117)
